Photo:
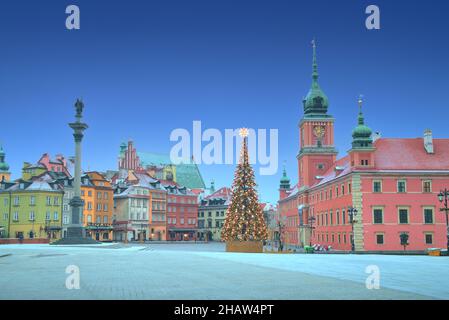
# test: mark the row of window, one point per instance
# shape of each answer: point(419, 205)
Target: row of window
point(218, 224)
point(100, 195)
point(157, 217)
point(138, 216)
point(181, 209)
point(97, 219)
point(328, 194)
point(158, 195)
point(328, 218)
point(141, 191)
point(158, 205)
point(401, 186)
point(188, 200)
point(182, 221)
point(139, 203)
point(209, 214)
point(16, 201)
point(404, 215)
point(31, 216)
point(343, 238)
point(332, 238)
point(100, 206)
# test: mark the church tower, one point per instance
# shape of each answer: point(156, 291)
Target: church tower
point(316, 131)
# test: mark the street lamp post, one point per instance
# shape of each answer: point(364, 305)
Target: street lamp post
point(281, 226)
point(443, 198)
point(352, 213)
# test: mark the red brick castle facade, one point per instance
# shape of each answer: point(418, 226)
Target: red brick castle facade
point(368, 198)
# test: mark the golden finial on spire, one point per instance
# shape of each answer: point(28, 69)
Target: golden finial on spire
point(360, 101)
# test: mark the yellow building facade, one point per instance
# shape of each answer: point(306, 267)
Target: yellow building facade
point(158, 216)
point(31, 210)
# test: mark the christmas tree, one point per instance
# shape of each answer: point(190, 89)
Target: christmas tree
point(244, 218)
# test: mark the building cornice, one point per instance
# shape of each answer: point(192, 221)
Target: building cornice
point(316, 119)
point(317, 151)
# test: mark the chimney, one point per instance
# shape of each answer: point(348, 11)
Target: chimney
point(376, 136)
point(428, 141)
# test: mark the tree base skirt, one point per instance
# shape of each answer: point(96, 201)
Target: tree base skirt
point(244, 246)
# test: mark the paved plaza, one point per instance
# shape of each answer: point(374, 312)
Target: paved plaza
point(205, 271)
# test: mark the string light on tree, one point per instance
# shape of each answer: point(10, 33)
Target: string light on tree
point(244, 218)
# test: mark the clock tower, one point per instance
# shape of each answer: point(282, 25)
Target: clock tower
point(316, 131)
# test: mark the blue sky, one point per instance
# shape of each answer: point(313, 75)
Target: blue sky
point(144, 68)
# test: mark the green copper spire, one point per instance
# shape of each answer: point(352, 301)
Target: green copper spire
point(3, 165)
point(314, 66)
point(285, 181)
point(361, 135)
point(122, 149)
point(316, 102)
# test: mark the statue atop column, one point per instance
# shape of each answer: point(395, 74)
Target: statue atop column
point(79, 106)
point(75, 231)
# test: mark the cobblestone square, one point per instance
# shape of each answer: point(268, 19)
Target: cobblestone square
point(205, 271)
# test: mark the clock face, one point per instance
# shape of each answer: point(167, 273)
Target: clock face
point(318, 131)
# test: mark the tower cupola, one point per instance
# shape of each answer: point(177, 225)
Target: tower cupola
point(285, 181)
point(3, 165)
point(361, 135)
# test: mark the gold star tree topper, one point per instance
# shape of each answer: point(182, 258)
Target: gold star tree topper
point(243, 132)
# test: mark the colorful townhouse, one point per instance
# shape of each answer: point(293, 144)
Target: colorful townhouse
point(132, 213)
point(182, 212)
point(33, 209)
point(139, 186)
point(158, 213)
point(98, 196)
point(364, 201)
point(212, 213)
point(58, 165)
point(96, 191)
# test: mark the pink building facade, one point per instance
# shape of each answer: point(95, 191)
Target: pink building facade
point(182, 212)
point(391, 184)
point(59, 164)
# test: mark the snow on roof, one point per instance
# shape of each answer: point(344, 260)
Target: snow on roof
point(222, 193)
point(409, 154)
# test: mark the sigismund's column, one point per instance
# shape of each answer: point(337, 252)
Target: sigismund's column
point(75, 231)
